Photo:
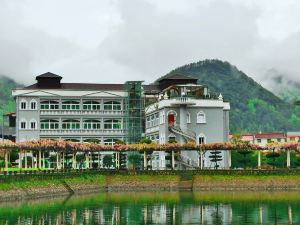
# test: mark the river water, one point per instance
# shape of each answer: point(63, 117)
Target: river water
point(157, 208)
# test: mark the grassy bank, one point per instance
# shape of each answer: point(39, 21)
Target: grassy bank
point(151, 180)
point(34, 181)
point(289, 181)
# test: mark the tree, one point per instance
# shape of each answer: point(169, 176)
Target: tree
point(215, 157)
point(244, 160)
point(145, 141)
point(108, 161)
point(134, 160)
point(272, 156)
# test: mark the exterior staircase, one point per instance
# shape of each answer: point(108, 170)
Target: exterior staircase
point(185, 183)
point(188, 134)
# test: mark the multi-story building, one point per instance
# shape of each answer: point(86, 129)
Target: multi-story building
point(185, 111)
point(174, 109)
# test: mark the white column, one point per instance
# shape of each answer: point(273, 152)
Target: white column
point(73, 160)
point(288, 158)
point(25, 155)
point(91, 159)
point(145, 160)
point(201, 159)
point(87, 160)
point(183, 124)
point(43, 161)
point(20, 159)
point(173, 160)
point(6, 160)
point(259, 160)
point(57, 161)
point(229, 158)
point(40, 159)
point(117, 160)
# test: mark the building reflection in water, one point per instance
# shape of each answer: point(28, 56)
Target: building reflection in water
point(182, 212)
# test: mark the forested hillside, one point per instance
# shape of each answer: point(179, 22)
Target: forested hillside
point(7, 103)
point(253, 108)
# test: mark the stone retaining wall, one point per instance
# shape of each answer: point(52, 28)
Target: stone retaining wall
point(246, 183)
point(133, 183)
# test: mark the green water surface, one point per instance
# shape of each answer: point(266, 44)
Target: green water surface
point(157, 208)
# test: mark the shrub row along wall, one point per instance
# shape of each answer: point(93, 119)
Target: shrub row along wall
point(25, 186)
point(252, 182)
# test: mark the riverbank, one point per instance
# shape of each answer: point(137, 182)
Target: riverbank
point(204, 207)
point(59, 184)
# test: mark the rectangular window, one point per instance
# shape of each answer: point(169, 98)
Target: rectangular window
point(258, 140)
point(112, 124)
point(33, 105)
point(23, 125)
point(70, 105)
point(23, 105)
point(47, 104)
point(33, 125)
point(201, 140)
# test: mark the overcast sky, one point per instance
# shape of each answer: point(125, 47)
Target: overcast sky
point(118, 40)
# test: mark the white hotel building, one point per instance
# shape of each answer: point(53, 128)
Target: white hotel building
point(174, 109)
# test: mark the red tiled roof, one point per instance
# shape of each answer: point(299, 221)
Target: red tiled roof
point(270, 135)
point(247, 137)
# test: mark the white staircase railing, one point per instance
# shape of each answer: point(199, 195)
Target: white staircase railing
point(187, 133)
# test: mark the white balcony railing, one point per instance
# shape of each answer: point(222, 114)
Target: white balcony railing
point(83, 132)
point(82, 112)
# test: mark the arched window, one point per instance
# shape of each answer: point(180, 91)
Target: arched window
point(23, 124)
point(23, 104)
point(33, 124)
point(91, 105)
point(201, 117)
point(201, 139)
point(33, 104)
point(112, 105)
point(188, 117)
point(91, 124)
point(172, 138)
point(71, 124)
point(72, 139)
point(49, 104)
point(49, 124)
point(112, 124)
point(92, 140)
point(70, 105)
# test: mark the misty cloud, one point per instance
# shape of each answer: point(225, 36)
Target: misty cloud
point(113, 41)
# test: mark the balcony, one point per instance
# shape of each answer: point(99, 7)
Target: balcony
point(101, 132)
point(182, 101)
point(59, 112)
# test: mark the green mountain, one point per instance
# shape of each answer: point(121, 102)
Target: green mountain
point(285, 88)
point(7, 103)
point(253, 108)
